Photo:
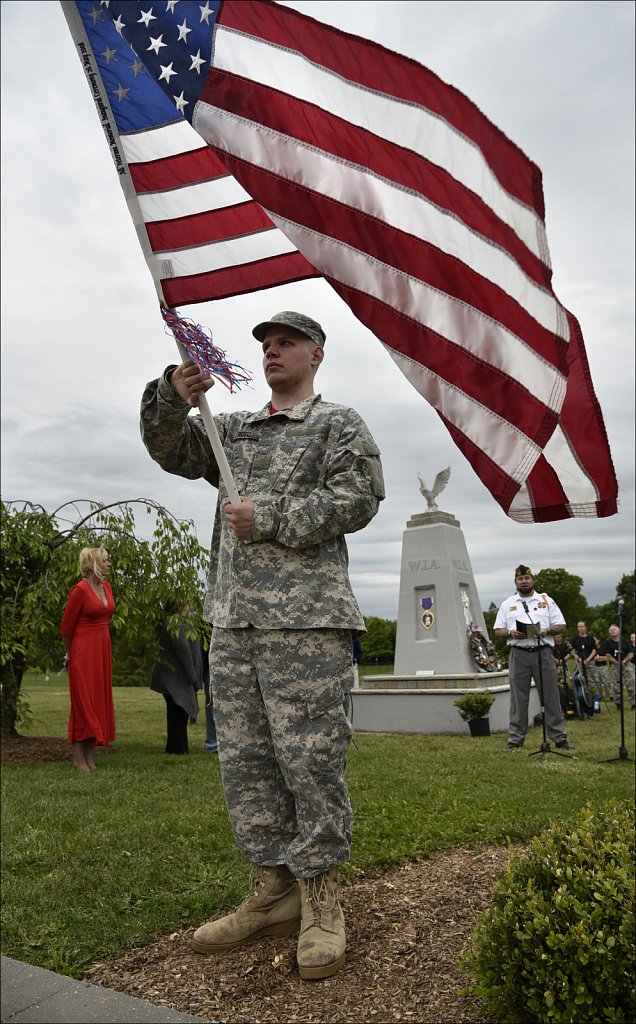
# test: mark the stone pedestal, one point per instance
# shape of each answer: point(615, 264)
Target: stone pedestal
point(438, 598)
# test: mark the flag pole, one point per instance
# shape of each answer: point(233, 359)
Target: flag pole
point(215, 440)
point(109, 125)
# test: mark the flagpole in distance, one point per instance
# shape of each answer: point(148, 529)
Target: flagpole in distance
point(99, 93)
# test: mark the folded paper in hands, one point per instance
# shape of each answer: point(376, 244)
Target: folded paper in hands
point(529, 629)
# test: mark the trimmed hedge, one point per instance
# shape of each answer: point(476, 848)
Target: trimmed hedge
point(558, 943)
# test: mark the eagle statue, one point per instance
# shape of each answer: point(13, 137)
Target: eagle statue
point(440, 483)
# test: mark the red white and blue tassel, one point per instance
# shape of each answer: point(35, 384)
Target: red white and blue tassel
point(198, 345)
point(195, 342)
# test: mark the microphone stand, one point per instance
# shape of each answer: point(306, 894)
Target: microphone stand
point(545, 747)
point(623, 754)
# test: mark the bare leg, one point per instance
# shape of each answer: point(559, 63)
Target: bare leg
point(88, 753)
point(79, 759)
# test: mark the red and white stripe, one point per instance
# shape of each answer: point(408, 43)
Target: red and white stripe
point(317, 153)
point(207, 238)
point(429, 223)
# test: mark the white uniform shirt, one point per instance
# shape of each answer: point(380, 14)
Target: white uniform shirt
point(541, 609)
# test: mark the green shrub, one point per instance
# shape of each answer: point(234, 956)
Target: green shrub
point(474, 705)
point(558, 943)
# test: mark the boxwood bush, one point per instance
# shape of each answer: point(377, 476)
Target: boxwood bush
point(558, 943)
point(474, 705)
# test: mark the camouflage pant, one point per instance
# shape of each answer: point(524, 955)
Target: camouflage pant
point(280, 699)
point(593, 677)
point(628, 683)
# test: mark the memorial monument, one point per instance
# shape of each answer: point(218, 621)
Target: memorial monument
point(438, 601)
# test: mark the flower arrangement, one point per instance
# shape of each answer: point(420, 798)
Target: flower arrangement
point(483, 650)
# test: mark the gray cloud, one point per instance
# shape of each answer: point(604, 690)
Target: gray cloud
point(82, 332)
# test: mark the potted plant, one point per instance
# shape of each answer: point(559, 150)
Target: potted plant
point(474, 708)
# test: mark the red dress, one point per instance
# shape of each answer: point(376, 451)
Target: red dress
point(90, 677)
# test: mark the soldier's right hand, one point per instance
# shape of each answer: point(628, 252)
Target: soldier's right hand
point(189, 382)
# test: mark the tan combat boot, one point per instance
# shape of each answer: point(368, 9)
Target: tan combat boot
point(321, 943)
point(272, 909)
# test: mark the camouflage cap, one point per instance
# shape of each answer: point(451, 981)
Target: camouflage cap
point(523, 570)
point(298, 321)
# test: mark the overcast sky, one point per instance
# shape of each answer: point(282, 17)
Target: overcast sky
point(82, 333)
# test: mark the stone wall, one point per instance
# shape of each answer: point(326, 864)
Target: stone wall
point(426, 704)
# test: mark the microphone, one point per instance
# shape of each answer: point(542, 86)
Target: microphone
point(536, 630)
point(621, 603)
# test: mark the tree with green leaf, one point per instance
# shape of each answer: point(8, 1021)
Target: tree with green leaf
point(602, 616)
point(564, 588)
point(501, 644)
point(625, 590)
point(39, 565)
point(378, 643)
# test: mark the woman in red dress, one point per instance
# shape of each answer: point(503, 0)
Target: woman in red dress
point(85, 629)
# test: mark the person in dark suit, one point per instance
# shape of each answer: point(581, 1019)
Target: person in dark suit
point(177, 675)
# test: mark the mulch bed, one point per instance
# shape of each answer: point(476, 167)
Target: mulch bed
point(405, 932)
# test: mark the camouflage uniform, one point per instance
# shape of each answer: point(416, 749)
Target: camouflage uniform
point(628, 683)
point(283, 611)
point(283, 731)
point(629, 691)
point(611, 647)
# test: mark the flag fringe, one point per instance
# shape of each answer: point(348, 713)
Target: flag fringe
point(197, 343)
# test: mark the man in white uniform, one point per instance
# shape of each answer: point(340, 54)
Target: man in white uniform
point(527, 607)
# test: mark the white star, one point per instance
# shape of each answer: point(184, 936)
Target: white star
point(96, 15)
point(109, 54)
point(170, 6)
point(166, 72)
point(156, 44)
point(137, 68)
point(183, 31)
point(122, 93)
point(146, 17)
point(196, 62)
point(181, 103)
point(205, 12)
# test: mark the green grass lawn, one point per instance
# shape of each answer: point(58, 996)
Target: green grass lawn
point(95, 864)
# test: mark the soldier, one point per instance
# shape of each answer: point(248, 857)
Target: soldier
point(610, 650)
point(284, 616)
point(585, 652)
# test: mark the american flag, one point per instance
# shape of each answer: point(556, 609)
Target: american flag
point(257, 146)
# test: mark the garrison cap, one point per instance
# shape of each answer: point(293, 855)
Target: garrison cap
point(298, 321)
point(523, 570)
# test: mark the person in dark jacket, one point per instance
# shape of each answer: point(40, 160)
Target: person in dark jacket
point(178, 674)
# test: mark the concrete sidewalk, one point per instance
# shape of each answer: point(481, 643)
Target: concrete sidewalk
point(31, 995)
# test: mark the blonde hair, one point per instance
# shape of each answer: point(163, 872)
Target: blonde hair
point(92, 560)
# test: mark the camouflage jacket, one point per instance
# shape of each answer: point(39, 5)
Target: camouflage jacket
point(314, 473)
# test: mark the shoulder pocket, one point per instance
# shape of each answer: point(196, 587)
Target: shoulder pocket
point(367, 451)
